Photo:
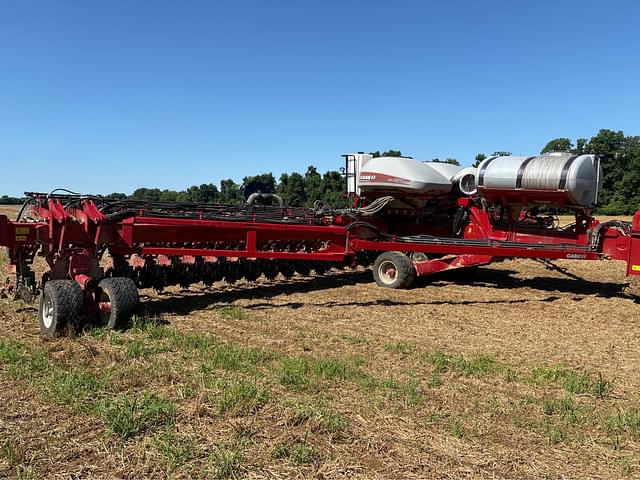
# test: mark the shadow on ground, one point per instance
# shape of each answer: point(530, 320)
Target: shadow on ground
point(185, 302)
point(507, 279)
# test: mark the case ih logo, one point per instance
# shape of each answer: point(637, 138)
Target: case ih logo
point(380, 177)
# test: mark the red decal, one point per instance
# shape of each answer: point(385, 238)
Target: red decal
point(366, 177)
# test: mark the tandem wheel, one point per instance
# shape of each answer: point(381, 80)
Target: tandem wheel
point(61, 305)
point(117, 299)
point(393, 270)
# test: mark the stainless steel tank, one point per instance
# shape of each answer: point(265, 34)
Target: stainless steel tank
point(559, 178)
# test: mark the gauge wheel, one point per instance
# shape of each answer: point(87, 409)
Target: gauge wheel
point(393, 270)
point(61, 306)
point(117, 299)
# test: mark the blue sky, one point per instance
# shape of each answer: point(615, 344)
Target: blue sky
point(112, 95)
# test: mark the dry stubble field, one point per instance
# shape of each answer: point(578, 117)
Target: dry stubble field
point(521, 370)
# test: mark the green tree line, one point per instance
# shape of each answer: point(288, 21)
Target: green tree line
point(6, 200)
point(295, 188)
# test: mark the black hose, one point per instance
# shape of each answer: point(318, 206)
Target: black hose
point(265, 198)
point(594, 233)
point(24, 205)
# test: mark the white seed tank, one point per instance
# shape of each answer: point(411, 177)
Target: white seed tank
point(559, 178)
point(404, 174)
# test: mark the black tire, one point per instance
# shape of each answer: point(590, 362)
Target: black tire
point(393, 270)
point(122, 293)
point(61, 306)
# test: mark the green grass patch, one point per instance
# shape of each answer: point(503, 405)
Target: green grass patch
point(98, 332)
point(571, 380)
point(625, 465)
point(353, 340)
point(402, 348)
point(137, 348)
point(232, 312)
point(474, 366)
point(330, 368)
point(27, 472)
point(190, 342)
point(154, 327)
point(218, 355)
point(601, 387)
point(22, 361)
point(175, 450)
point(77, 388)
point(480, 365)
point(84, 391)
point(408, 392)
point(557, 435)
point(298, 452)
point(294, 372)
point(319, 418)
point(304, 372)
point(129, 415)
point(226, 463)
point(234, 358)
point(242, 397)
point(411, 393)
point(74, 387)
point(116, 338)
point(565, 408)
point(626, 420)
point(560, 417)
point(456, 429)
point(11, 450)
point(298, 373)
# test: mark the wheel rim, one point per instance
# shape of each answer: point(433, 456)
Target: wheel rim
point(104, 314)
point(47, 312)
point(387, 272)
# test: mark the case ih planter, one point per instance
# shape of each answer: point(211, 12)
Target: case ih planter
point(408, 218)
